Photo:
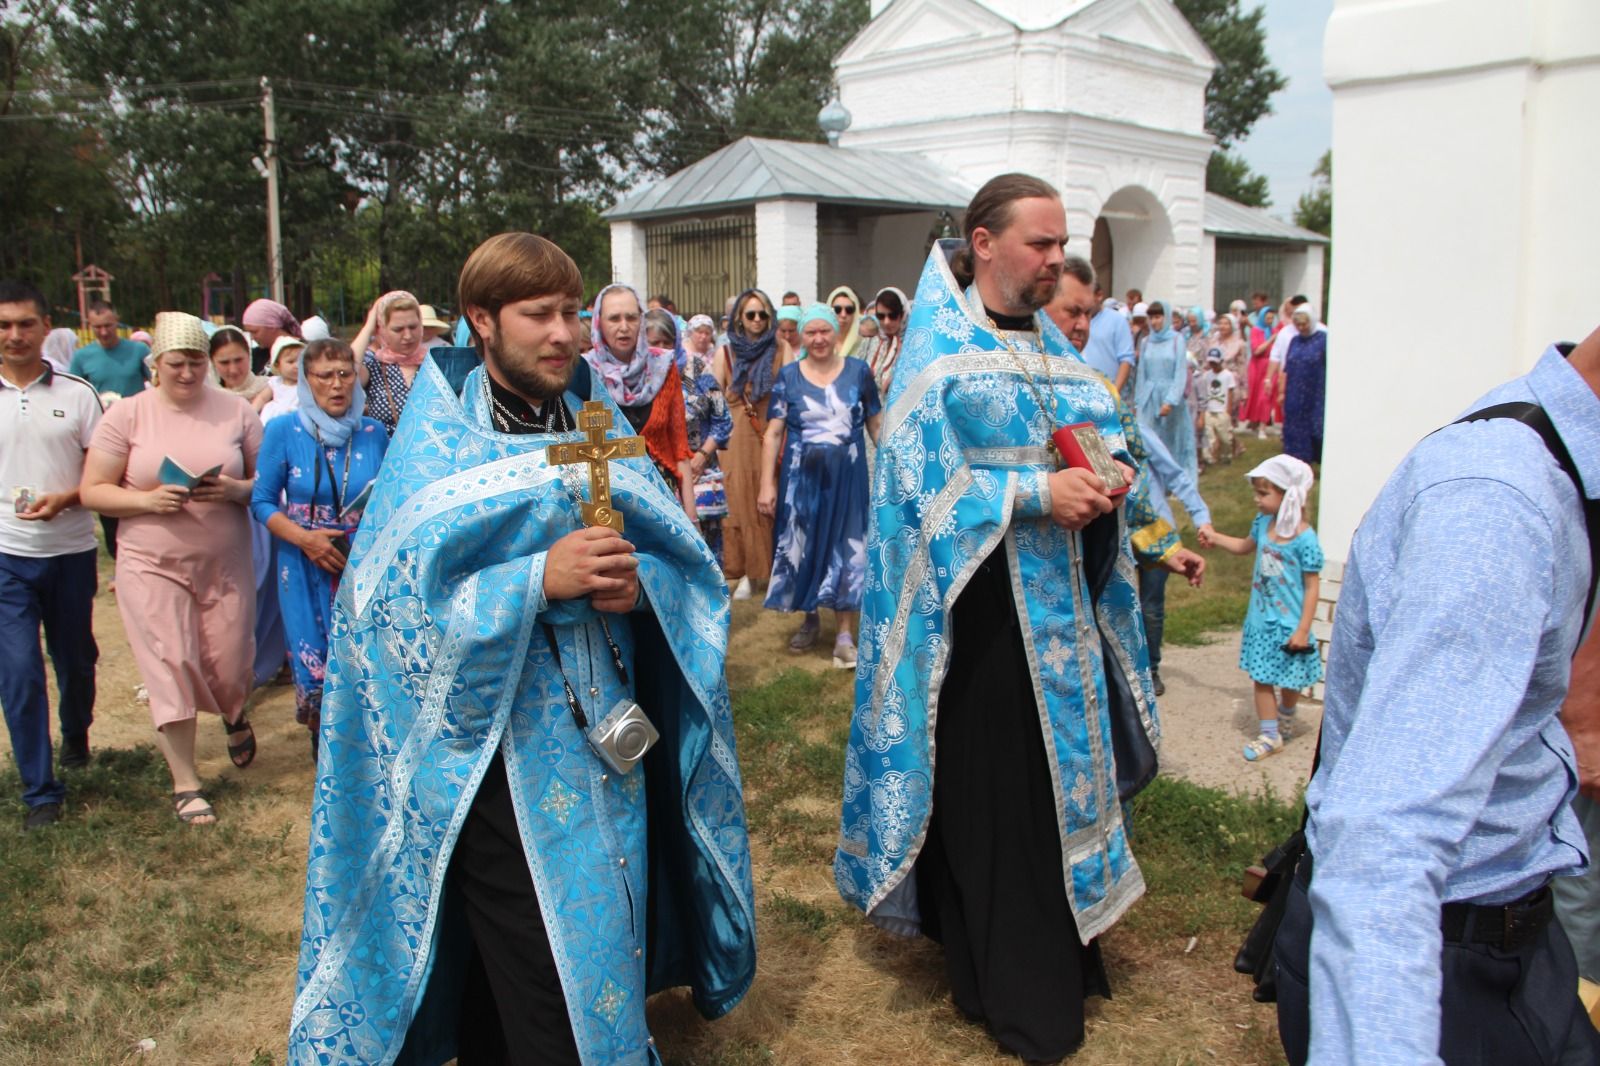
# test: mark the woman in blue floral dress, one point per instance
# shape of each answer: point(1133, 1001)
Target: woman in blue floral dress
point(821, 409)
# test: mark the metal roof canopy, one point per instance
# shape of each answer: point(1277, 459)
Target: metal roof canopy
point(1229, 218)
point(755, 169)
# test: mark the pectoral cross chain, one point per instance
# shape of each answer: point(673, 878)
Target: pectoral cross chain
point(598, 451)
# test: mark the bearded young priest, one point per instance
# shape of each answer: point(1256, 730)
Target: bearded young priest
point(1000, 632)
point(489, 876)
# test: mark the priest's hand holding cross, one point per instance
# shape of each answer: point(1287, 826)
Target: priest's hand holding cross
point(595, 561)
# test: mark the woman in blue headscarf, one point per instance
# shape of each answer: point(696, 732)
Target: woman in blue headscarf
point(311, 477)
point(1161, 391)
point(821, 410)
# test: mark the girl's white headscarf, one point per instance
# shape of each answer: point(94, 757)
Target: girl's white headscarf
point(1294, 478)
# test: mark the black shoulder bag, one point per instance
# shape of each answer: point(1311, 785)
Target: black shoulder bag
point(1269, 882)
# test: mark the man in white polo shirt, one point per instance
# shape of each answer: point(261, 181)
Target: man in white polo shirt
point(47, 551)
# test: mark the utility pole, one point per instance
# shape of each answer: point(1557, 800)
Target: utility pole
point(274, 237)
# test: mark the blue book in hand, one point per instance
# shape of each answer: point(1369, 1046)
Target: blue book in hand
point(173, 472)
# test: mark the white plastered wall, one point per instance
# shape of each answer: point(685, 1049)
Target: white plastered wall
point(786, 247)
point(629, 263)
point(1457, 184)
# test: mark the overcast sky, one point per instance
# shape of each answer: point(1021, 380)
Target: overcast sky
point(1286, 144)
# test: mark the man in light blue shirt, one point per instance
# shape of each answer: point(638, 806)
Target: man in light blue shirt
point(1442, 807)
point(1110, 347)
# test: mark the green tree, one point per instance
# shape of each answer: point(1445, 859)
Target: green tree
point(1314, 211)
point(1228, 175)
point(1239, 93)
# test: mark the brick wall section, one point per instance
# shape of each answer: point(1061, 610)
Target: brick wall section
point(1322, 621)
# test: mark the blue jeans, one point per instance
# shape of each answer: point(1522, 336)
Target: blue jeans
point(1153, 604)
point(57, 593)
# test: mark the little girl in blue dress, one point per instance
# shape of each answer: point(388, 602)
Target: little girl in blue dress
point(1277, 651)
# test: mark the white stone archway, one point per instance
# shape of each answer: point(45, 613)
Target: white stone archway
point(1143, 252)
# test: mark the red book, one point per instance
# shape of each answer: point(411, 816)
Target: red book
point(1082, 448)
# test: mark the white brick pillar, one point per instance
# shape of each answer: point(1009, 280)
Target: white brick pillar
point(786, 247)
point(629, 264)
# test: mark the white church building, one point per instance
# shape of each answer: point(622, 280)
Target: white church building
point(1103, 98)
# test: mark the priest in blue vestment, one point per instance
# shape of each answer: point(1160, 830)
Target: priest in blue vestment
point(1001, 633)
point(482, 882)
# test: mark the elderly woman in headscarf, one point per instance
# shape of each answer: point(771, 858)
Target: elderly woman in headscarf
point(1302, 386)
point(700, 338)
point(266, 321)
point(706, 421)
point(891, 307)
point(230, 362)
point(746, 368)
point(645, 383)
point(821, 410)
point(846, 306)
point(311, 481)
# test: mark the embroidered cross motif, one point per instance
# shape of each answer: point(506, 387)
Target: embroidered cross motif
point(608, 1004)
point(598, 452)
point(1057, 656)
point(558, 802)
point(1081, 790)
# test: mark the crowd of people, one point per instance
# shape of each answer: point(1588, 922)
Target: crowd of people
point(830, 454)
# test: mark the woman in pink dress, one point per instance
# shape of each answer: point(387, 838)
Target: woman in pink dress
point(1260, 403)
point(185, 580)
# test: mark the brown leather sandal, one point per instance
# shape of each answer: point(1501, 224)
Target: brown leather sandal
point(244, 752)
point(188, 817)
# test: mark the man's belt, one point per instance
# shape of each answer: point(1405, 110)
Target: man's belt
point(1509, 926)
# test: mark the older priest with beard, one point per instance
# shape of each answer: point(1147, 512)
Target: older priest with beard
point(481, 881)
point(1000, 630)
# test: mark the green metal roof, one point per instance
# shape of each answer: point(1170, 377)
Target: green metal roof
point(754, 169)
point(1229, 218)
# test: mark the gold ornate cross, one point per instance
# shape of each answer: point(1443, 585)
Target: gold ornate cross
point(598, 452)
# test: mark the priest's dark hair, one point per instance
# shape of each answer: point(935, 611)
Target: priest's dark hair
point(510, 267)
point(991, 209)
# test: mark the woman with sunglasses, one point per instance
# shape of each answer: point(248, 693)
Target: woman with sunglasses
point(846, 307)
point(890, 306)
point(745, 368)
point(312, 472)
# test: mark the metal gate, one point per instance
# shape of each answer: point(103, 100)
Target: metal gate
point(703, 263)
point(1243, 267)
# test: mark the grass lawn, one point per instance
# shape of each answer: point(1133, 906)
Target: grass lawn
point(121, 925)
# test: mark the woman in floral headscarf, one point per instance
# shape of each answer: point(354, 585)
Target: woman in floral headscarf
point(847, 309)
point(644, 382)
point(392, 351)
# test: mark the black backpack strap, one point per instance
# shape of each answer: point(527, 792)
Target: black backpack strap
point(1535, 418)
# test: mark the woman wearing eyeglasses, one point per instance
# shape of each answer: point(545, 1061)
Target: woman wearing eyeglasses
point(891, 307)
point(846, 307)
point(745, 368)
point(309, 479)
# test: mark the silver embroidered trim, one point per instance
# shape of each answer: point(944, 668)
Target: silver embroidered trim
point(995, 362)
point(402, 770)
point(936, 678)
point(1031, 455)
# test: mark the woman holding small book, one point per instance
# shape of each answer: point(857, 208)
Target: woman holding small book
point(309, 493)
point(185, 580)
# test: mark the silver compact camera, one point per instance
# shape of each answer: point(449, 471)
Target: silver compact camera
point(622, 737)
